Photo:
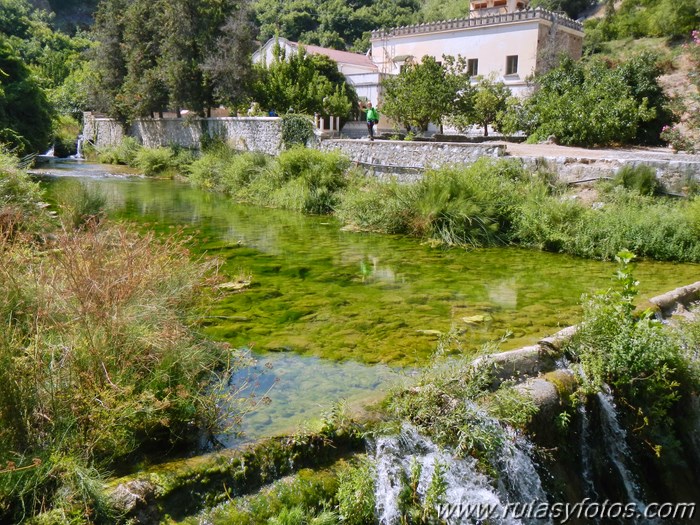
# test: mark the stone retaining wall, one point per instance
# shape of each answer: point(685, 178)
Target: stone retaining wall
point(407, 160)
point(241, 133)
point(384, 159)
point(673, 174)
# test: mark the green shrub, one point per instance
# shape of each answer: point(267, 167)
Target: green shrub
point(297, 130)
point(154, 161)
point(455, 206)
point(123, 153)
point(20, 198)
point(356, 500)
point(636, 357)
point(641, 179)
point(546, 221)
point(303, 498)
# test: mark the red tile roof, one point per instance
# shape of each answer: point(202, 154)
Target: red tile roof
point(344, 57)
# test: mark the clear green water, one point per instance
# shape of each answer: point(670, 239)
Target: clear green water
point(362, 298)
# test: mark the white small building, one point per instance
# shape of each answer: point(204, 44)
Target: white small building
point(359, 70)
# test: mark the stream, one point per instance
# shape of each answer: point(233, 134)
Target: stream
point(342, 315)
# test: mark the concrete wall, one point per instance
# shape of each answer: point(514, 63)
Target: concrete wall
point(242, 133)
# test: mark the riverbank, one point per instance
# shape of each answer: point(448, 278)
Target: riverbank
point(101, 363)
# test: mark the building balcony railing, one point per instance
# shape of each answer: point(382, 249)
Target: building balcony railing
point(464, 23)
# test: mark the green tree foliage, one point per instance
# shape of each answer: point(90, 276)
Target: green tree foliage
point(303, 83)
point(179, 54)
point(486, 106)
point(230, 66)
point(332, 23)
point(436, 10)
point(54, 59)
point(643, 364)
point(635, 18)
point(422, 93)
point(589, 104)
point(572, 8)
point(25, 114)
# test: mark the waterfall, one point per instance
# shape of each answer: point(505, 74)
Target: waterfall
point(586, 457)
point(49, 152)
point(467, 488)
point(79, 149)
point(616, 449)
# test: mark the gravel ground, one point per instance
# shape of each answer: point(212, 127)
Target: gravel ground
point(554, 151)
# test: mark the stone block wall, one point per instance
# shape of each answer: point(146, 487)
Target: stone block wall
point(407, 159)
point(242, 133)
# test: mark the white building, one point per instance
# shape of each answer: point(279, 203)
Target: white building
point(501, 38)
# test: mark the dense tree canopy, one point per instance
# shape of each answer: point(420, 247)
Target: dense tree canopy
point(304, 83)
point(590, 104)
point(422, 93)
point(153, 54)
point(25, 114)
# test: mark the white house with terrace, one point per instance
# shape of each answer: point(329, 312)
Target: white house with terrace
point(501, 38)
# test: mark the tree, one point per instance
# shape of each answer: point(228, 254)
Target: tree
point(301, 83)
point(422, 93)
point(143, 90)
point(25, 113)
point(107, 57)
point(230, 66)
point(585, 104)
point(489, 102)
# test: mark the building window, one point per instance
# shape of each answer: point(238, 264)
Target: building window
point(499, 3)
point(473, 67)
point(511, 65)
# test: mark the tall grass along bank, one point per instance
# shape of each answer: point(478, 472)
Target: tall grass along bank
point(490, 203)
point(100, 361)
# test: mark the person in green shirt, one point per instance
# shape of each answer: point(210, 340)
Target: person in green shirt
point(372, 119)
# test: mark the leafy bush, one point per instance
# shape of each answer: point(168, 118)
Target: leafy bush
point(123, 153)
point(356, 501)
point(154, 161)
point(301, 179)
point(586, 104)
point(304, 498)
point(641, 179)
point(635, 357)
point(296, 130)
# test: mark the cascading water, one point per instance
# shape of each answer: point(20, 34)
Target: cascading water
point(586, 455)
point(468, 490)
point(617, 451)
point(79, 149)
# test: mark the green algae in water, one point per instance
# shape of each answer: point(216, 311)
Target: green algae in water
point(320, 291)
point(353, 298)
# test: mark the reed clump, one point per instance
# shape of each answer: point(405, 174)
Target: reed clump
point(100, 358)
